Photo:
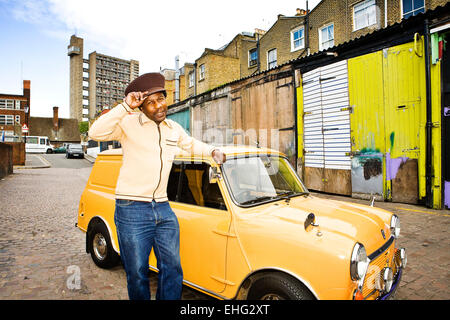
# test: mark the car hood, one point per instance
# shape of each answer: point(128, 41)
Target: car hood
point(358, 222)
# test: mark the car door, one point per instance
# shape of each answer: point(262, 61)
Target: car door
point(204, 225)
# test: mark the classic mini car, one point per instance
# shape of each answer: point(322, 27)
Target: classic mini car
point(249, 229)
point(74, 150)
point(61, 149)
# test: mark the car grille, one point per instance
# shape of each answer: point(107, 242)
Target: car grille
point(371, 281)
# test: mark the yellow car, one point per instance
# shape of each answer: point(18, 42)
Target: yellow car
point(249, 229)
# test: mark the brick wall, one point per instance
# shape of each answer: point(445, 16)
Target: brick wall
point(340, 13)
point(6, 159)
point(219, 70)
point(279, 37)
point(18, 153)
point(189, 91)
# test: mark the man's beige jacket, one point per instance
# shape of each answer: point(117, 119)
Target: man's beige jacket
point(148, 151)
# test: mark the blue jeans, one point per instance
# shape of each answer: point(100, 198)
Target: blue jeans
point(142, 226)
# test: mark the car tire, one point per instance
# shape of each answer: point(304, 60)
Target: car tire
point(278, 286)
point(49, 151)
point(100, 247)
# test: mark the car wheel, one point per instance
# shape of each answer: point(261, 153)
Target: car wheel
point(278, 286)
point(100, 247)
point(49, 151)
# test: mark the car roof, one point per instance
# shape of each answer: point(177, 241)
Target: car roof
point(229, 150)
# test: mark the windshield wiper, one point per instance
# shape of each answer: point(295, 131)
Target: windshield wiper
point(285, 196)
point(259, 199)
point(289, 194)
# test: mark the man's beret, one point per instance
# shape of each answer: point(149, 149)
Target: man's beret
point(152, 82)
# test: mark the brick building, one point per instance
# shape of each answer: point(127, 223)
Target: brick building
point(58, 130)
point(216, 67)
point(330, 23)
point(171, 84)
point(334, 22)
point(284, 41)
point(14, 113)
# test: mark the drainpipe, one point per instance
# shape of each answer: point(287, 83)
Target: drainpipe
point(429, 125)
point(385, 14)
point(258, 52)
point(307, 28)
point(177, 79)
point(295, 119)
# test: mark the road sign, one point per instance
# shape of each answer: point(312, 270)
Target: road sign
point(24, 128)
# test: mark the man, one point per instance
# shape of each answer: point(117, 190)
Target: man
point(143, 217)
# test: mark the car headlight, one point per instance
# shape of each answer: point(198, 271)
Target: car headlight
point(359, 262)
point(395, 226)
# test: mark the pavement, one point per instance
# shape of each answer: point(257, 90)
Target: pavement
point(34, 161)
point(42, 254)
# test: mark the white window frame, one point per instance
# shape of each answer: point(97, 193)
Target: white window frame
point(302, 38)
point(191, 79)
point(6, 119)
point(201, 70)
point(249, 56)
point(7, 104)
point(17, 118)
point(273, 61)
point(413, 10)
point(321, 46)
point(17, 104)
point(367, 9)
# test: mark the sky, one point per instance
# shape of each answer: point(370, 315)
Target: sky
point(34, 35)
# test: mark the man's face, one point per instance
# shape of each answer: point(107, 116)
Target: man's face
point(155, 107)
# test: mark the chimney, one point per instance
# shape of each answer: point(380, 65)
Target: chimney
point(55, 119)
point(259, 31)
point(301, 12)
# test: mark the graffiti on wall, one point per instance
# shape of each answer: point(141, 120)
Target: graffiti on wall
point(447, 194)
point(367, 172)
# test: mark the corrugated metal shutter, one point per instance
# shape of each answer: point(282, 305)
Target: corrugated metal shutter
point(326, 117)
point(312, 120)
point(336, 116)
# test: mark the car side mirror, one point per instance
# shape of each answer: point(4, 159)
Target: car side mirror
point(214, 175)
point(310, 221)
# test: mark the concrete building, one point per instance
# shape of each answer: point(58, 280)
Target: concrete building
point(14, 113)
point(98, 82)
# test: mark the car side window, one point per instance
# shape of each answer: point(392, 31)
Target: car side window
point(189, 183)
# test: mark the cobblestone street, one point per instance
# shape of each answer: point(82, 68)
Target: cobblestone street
point(42, 253)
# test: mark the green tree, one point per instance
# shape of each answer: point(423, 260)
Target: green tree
point(83, 126)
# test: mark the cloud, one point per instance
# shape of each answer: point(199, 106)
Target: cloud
point(149, 31)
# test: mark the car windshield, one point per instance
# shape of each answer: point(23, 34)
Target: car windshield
point(75, 147)
point(259, 179)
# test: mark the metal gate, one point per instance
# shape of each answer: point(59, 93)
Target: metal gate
point(326, 123)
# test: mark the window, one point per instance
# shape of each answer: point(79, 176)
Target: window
point(17, 104)
point(32, 140)
point(252, 57)
point(202, 72)
point(6, 119)
point(189, 183)
point(17, 119)
point(191, 79)
point(326, 37)
point(412, 7)
point(364, 14)
point(6, 104)
point(272, 58)
point(297, 39)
